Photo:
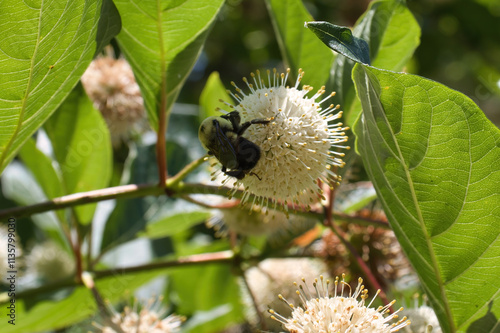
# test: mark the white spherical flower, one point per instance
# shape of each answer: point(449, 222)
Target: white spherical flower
point(325, 312)
point(272, 276)
point(298, 144)
point(147, 320)
point(50, 262)
point(111, 86)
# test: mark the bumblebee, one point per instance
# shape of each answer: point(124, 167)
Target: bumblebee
point(223, 138)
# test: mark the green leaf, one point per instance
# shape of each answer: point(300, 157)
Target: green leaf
point(433, 158)
point(171, 225)
point(82, 147)
point(126, 220)
point(42, 169)
point(391, 31)
point(392, 34)
point(213, 91)
point(299, 48)
point(129, 215)
point(217, 291)
point(19, 185)
point(46, 47)
point(162, 40)
point(109, 25)
point(341, 40)
point(79, 305)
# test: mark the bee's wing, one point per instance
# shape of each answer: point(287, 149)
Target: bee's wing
point(226, 153)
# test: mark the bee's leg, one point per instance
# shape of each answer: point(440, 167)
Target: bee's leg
point(246, 125)
point(256, 175)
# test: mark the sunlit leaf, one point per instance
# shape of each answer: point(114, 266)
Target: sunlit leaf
point(46, 47)
point(213, 91)
point(433, 158)
point(162, 40)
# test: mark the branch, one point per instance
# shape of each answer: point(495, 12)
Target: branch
point(125, 191)
point(224, 257)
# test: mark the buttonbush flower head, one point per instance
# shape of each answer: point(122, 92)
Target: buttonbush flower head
point(336, 312)
point(272, 276)
point(49, 262)
point(111, 86)
point(146, 320)
point(298, 146)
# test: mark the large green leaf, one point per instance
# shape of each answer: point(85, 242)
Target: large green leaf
point(82, 147)
point(434, 158)
point(162, 40)
point(45, 48)
point(299, 47)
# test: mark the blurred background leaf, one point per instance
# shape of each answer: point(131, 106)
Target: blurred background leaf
point(297, 44)
point(82, 147)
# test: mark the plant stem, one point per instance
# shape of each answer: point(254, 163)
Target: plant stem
point(174, 181)
point(161, 148)
point(224, 257)
point(179, 189)
point(125, 191)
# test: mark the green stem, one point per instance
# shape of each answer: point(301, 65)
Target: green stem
point(174, 181)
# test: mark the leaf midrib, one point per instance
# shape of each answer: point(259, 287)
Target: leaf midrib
point(420, 219)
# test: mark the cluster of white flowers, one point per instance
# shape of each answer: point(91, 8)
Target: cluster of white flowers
point(147, 320)
point(298, 146)
point(325, 312)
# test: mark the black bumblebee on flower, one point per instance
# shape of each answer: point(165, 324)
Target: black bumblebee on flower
point(223, 137)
